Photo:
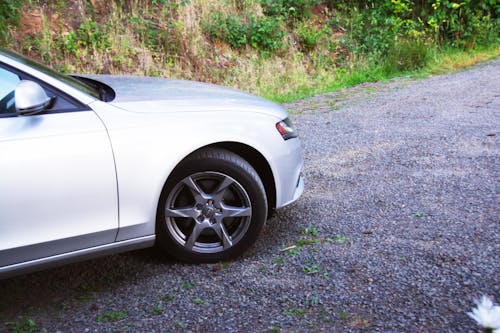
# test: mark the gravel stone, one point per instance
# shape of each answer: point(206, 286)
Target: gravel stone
point(397, 231)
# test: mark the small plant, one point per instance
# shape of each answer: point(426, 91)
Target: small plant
point(169, 298)
point(278, 261)
point(157, 309)
point(180, 324)
point(313, 301)
point(307, 241)
point(406, 55)
point(291, 250)
point(23, 325)
point(199, 301)
point(274, 329)
point(187, 285)
point(10, 13)
point(291, 10)
point(113, 316)
point(343, 315)
point(295, 312)
point(419, 214)
point(308, 36)
point(342, 239)
point(311, 269)
point(266, 34)
point(263, 33)
point(313, 231)
point(230, 29)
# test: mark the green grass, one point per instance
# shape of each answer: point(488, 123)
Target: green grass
point(438, 61)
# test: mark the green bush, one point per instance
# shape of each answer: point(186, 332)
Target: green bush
point(308, 36)
point(263, 33)
point(288, 9)
point(373, 25)
point(406, 55)
point(229, 29)
point(89, 35)
point(10, 15)
point(266, 33)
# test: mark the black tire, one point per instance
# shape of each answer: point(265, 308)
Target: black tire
point(212, 208)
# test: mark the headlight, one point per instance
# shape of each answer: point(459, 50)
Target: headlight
point(286, 129)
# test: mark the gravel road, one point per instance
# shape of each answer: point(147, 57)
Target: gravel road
point(398, 231)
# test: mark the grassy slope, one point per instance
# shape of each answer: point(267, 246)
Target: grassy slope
point(143, 38)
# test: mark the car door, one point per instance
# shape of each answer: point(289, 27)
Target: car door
point(58, 190)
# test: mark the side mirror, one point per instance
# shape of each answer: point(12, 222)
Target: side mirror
point(30, 98)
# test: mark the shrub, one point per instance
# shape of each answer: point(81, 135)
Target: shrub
point(308, 36)
point(374, 24)
point(263, 33)
point(230, 29)
point(10, 15)
point(288, 9)
point(88, 35)
point(266, 33)
point(405, 55)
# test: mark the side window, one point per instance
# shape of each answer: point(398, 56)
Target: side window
point(8, 83)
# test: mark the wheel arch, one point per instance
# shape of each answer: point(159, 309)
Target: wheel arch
point(256, 160)
point(259, 163)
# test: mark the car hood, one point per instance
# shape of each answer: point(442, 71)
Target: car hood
point(146, 94)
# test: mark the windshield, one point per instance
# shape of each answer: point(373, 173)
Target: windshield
point(46, 70)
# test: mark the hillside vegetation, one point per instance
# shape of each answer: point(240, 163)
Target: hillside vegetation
point(280, 49)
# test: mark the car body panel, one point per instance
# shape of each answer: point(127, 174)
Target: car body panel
point(54, 166)
point(90, 180)
point(141, 177)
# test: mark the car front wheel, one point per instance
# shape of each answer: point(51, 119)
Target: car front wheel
point(212, 208)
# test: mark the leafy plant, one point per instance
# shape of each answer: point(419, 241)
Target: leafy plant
point(230, 29)
point(342, 239)
point(199, 301)
point(312, 301)
point(263, 33)
point(313, 231)
point(278, 261)
point(311, 269)
point(187, 285)
point(23, 325)
point(266, 33)
point(180, 324)
point(10, 11)
point(157, 309)
point(295, 312)
point(113, 316)
point(288, 9)
point(406, 55)
point(89, 35)
point(308, 36)
point(419, 214)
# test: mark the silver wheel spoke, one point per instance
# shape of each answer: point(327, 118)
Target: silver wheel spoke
point(188, 212)
point(231, 211)
point(198, 194)
point(221, 189)
point(223, 235)
point(197, 229)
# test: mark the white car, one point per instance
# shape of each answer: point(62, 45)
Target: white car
point(93, 165)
